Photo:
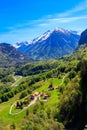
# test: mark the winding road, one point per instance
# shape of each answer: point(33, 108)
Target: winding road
point(31, 103)
point(16, 82)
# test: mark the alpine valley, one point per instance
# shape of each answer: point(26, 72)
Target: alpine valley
point(43, 83)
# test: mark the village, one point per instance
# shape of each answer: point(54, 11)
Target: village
point(31, 99)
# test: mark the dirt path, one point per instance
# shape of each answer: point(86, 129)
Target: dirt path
point(31, 103)
point(16, 82)
point(63, 80)
point(11, 108)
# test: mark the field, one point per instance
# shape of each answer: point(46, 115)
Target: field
point(6, 119)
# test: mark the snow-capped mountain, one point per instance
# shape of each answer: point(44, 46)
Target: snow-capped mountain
point(19, 44)
point(42, 37)
point(52, 44)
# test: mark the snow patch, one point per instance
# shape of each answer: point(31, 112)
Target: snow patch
point(42, 37)
point(76, 32)
point(19, 44)
point(61, 30)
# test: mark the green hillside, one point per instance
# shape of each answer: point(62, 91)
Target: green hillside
point(48, 95)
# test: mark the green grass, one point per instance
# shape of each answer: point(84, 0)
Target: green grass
point(14, 110)
point(44, 85)
point(6, 119)
point(54, 99)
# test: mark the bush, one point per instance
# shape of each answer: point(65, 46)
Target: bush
point(23, 94)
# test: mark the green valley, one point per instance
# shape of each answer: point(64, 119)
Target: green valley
point(43, 65)
point(55, 89)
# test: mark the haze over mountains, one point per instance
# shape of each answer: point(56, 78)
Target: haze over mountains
point(52, 44)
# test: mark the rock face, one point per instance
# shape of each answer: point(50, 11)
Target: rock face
point(83, 38)
point(9, 55)
point(52, 44)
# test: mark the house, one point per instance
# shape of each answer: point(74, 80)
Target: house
point(46, 96)
point(34, 95)
point(41, 94)
point(56, 87)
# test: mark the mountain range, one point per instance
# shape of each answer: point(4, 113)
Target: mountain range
point(50, 45)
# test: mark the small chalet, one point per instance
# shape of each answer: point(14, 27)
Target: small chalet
point(34, 95)
point(46, 96)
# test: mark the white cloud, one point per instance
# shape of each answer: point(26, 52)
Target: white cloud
point(81, 7)
point(40, 26)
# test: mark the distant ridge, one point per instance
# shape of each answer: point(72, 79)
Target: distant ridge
point(9, 55)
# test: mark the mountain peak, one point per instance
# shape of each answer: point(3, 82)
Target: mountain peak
point(47, 34)
point(42, 37)
point(19, 44)
point(60, 30)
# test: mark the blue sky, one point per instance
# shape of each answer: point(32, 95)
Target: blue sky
point(22, 20)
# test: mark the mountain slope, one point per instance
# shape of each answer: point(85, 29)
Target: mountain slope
point(61, 108)
point(52, 44)
point(83, 38)
point(10, 56)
